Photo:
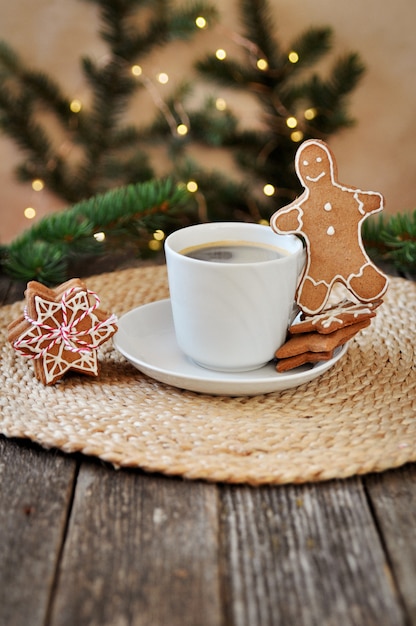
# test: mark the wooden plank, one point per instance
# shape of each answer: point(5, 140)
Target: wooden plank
point(141, 551)
point(304, 555)
point(35, 495)
point(393, 497)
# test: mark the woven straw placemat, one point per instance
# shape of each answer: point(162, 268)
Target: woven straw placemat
point(358, 417)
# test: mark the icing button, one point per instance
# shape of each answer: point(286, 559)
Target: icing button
point(330, 231)
point(328, 206)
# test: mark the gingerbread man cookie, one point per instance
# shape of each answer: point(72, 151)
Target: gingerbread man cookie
point(329, 216)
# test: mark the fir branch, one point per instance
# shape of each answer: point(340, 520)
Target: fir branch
point(393, 239)
point(259, 29)
point(31, 84)
point(48, 94)
point(329, 96)
point(182, 21)
point(213, 127)
point(114, 14)
point(346, 74)
point(9, 59)
point(311, 46)
point(44, 251)
point(229, 73)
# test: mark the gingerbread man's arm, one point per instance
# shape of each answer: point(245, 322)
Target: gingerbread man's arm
point(369, 201)
point(288, 220)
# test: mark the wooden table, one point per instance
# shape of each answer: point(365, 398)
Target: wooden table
point(84, 544)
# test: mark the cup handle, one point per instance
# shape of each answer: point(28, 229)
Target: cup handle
point(301, 261)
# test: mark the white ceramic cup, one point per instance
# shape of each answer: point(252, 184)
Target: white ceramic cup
point(232, 316)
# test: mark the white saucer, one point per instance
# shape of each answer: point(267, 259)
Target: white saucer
point(146, 338)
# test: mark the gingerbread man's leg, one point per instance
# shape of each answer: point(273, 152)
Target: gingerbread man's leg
point(369, 285)
point(310, 291)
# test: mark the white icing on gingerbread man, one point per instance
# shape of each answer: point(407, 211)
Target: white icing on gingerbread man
point(329, 216)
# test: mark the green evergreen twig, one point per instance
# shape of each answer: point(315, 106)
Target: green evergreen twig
point(45, 251)
point(393, 239)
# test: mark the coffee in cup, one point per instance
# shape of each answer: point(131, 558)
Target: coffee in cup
point(234, 252)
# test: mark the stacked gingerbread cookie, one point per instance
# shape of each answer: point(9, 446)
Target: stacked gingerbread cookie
point(314, 338)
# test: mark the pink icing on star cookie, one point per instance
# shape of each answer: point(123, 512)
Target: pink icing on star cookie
point(61, 330)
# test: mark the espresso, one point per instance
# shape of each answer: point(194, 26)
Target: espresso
point(234, 252)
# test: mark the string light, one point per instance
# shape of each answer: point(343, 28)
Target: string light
point(163, 78)
point(220, 54)
point(220, 104)
point(182, 129)
point(160, 103)
point(269, 190)
point(154, 245)
point(99, 236)
point(201, 22)
point(291, 122)
point(159, 235)
point(296, 136)
point(262, 65)
point(75, 105)
point(310, 114)
point(37, 184)
point(192, 186)
point(29, 213)
point(293, 56)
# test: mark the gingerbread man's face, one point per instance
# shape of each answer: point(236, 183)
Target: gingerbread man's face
point(314, 165)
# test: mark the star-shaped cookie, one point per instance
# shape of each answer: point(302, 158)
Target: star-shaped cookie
point(345, 313)
point(61, 330)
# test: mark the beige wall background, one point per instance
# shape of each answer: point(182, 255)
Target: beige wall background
point(377, 154)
